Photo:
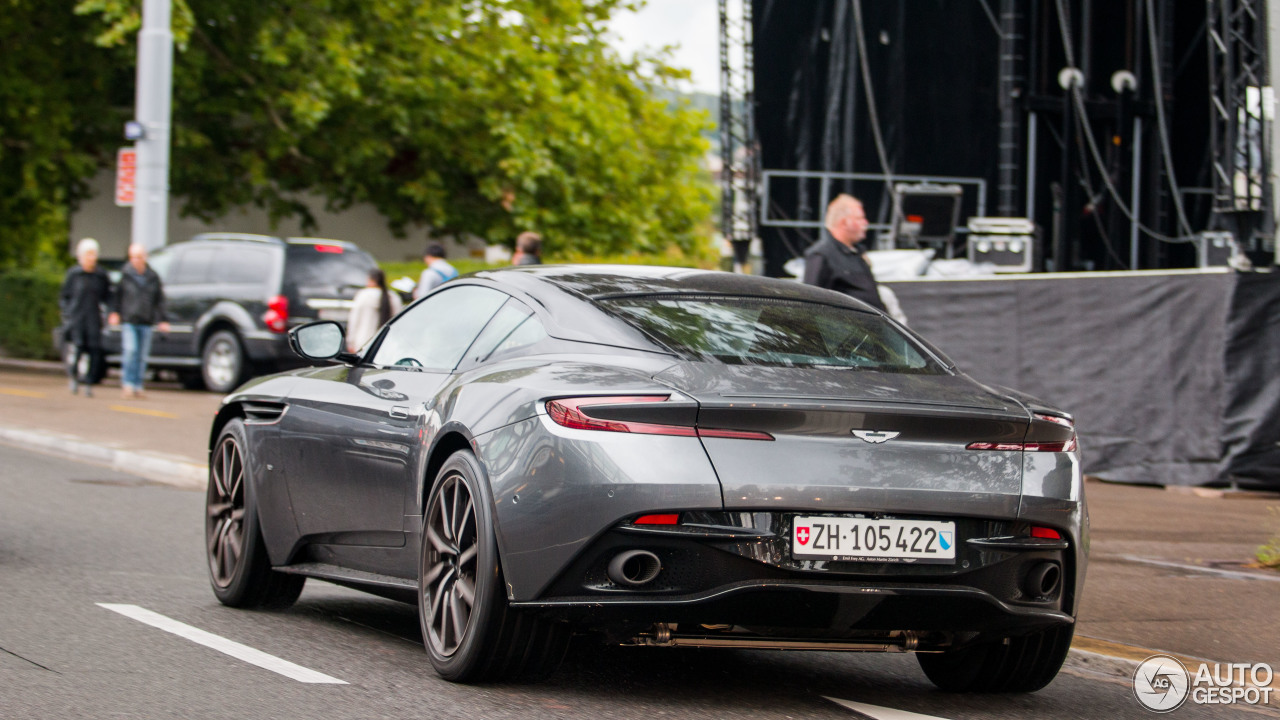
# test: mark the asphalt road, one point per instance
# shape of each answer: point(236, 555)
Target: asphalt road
point(74, 537)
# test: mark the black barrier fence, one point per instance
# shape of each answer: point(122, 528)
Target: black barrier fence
point(1174, 377)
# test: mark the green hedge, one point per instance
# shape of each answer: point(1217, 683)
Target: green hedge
point(28, 312)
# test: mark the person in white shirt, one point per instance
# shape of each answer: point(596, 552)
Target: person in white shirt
point(437, 273)
point(371, 308)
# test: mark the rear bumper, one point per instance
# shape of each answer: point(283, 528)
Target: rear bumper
point(749, 579)
point(831, 610)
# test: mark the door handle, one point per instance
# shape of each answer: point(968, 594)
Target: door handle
point(399, 412)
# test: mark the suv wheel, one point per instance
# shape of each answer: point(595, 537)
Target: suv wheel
point(222, 361)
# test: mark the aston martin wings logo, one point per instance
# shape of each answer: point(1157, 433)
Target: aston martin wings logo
point(875, 436)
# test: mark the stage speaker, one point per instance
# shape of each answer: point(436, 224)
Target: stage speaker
point(925, 215)
point(1216, 248)
point(1011, 244)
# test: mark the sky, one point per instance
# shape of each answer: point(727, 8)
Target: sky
point(692, 25)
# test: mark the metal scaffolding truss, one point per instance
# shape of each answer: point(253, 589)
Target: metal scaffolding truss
point(1237, 76)
point(740, 171)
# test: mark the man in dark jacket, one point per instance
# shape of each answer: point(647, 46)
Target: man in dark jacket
point(836, 262)
point(138, 302)
point(528, 249)
point(85, 289)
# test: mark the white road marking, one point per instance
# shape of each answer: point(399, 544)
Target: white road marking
point(223, 645)
point(881, 713)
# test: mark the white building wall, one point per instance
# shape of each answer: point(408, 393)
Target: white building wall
point(99, 218)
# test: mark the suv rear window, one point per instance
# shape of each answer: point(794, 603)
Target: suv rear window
point(780, 333)
point(327, 266)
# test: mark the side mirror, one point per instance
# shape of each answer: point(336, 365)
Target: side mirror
point(323, 340)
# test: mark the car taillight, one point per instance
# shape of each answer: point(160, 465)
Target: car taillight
point(1034, 446)
point(659, 519)
point(1065, 446)
point(1055, 419)
point(337, 249)
point(277, 315)
point(570, 413)
point(1044, 532)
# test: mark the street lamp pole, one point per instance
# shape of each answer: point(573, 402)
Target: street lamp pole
point(153, 111)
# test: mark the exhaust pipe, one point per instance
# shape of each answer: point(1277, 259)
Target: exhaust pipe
point(634, 568)
point(1042, 580)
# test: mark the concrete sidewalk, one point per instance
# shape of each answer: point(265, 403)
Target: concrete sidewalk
point(163, 437)
point(1169, 569)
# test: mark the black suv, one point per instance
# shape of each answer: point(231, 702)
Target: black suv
point(231, 299)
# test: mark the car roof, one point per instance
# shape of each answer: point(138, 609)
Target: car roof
point(570, 295)
point(602, 282)
point(269, 240)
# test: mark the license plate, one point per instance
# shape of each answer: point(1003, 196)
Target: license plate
point(866, 540)
point(335, 314)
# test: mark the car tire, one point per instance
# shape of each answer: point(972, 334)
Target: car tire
point(1023, 663)
point(222, 361)
point(459, 559)
point(239, 569)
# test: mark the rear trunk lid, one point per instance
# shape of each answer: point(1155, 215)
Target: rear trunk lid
point(848, 440)
point(322, 278)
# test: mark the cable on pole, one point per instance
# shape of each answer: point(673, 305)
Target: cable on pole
point(869, 91)
point(1078, 105)
point(1183, 225)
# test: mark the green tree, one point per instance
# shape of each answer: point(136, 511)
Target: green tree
point(60, 121)
point(478, 116)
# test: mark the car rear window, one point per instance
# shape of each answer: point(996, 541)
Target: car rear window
point(309, 265)
point(779, 333)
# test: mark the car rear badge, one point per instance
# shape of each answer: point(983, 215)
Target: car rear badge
point(875, 436)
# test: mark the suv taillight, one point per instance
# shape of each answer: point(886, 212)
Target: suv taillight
point(277, 315)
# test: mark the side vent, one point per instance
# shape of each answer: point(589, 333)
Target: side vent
point(263, 413)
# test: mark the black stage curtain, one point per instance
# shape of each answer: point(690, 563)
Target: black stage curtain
point(934, 73)
point(1174, 378)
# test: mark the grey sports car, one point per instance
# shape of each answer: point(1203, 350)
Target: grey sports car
point(662, 457)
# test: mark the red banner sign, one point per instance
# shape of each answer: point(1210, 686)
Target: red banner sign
point(126, 175)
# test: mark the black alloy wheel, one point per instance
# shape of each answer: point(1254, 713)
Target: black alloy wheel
point(224, 526)
point(469, 630)
point(450, 578)
point(239, 569)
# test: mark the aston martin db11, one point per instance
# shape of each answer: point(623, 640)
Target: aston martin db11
point(660, 457)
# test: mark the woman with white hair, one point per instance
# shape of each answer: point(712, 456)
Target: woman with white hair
point(85, 290)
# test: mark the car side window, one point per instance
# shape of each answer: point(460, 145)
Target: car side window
point(242, 266)
point(434, 334)
point(191, 267)
point(513, 328)
point(160, 262)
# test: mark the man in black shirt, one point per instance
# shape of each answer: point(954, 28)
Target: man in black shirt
point(85, 289)
point(836, 261)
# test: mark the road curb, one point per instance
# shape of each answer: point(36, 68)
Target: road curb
point(51, 367)
point(157, 467)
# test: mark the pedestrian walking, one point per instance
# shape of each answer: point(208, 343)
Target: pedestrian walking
point(136, 306)
point(371, 308)
point(836, 262)
point(528, 249)
point(437, 272)
point(85, 290)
